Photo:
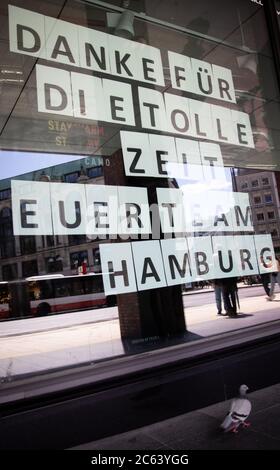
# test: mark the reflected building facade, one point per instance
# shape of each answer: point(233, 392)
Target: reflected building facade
point(25, 256)
point(175, 111)
point(263, 190)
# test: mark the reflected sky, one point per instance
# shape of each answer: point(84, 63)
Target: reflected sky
point(18, 163)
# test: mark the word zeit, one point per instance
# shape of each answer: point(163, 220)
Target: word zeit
point(161, 156)
point(41, 208)
point(128, 267)
point(90, 97)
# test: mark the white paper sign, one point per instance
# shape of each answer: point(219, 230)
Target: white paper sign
point(31, 208)
point(137, 156)
point(247, 259)
point(54, 91)
point(87, 94)
point(26, 31)
point(201, 256)
point(265, 253)
point(62, 43)
point(94, 50)
point(181, 72)
point(176, 260)
point(102, 209)
point(204, 83)
point(117, 268)
point(152, 109)
point(241, 212)
point(178, 114)
point(163, 149)
point(225, 257)
point(148, 265)
point(212, 161)
point(134, 210)
point(171, 210)
point(223, 77)
point(68, 202)
point(242, 128)
point(207, 211)
point(189, 159)
point(118, 103)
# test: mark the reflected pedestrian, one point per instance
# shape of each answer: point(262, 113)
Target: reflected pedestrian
point(229, 290)
point(275, 277)
point(218, 295)
point(265, 278)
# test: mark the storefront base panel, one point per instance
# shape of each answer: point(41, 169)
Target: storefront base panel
point(83, 414)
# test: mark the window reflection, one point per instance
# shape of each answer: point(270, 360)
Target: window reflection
point(228, 191)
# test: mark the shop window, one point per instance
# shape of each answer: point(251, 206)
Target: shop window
point(257, 200)
point(5, 194)
point(7, 249)
point(29, 268)
point(54, 264)
point(77, 239)
point(274, 233)
point(27, 245)
point(267, 198)
point(211, 114)
point(77, 259)
point(96, 260)
point(50, 240)
point(7, 243)
point(9, 272)
point(95, 172)
point(271, 215)
point(71, 177)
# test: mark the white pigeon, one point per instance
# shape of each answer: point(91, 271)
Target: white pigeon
point(239, 412)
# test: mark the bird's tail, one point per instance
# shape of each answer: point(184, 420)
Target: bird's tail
point(227, 422)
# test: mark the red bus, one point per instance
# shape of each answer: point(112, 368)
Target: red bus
point(4, 300)
point(50, 294)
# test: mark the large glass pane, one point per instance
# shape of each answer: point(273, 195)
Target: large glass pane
point(139, 184)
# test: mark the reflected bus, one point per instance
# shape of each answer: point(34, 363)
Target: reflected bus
point(52, 294)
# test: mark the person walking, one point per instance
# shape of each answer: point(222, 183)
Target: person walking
point(229, 291)
point(218, 295)
point(275, 277)
point(265, 278)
